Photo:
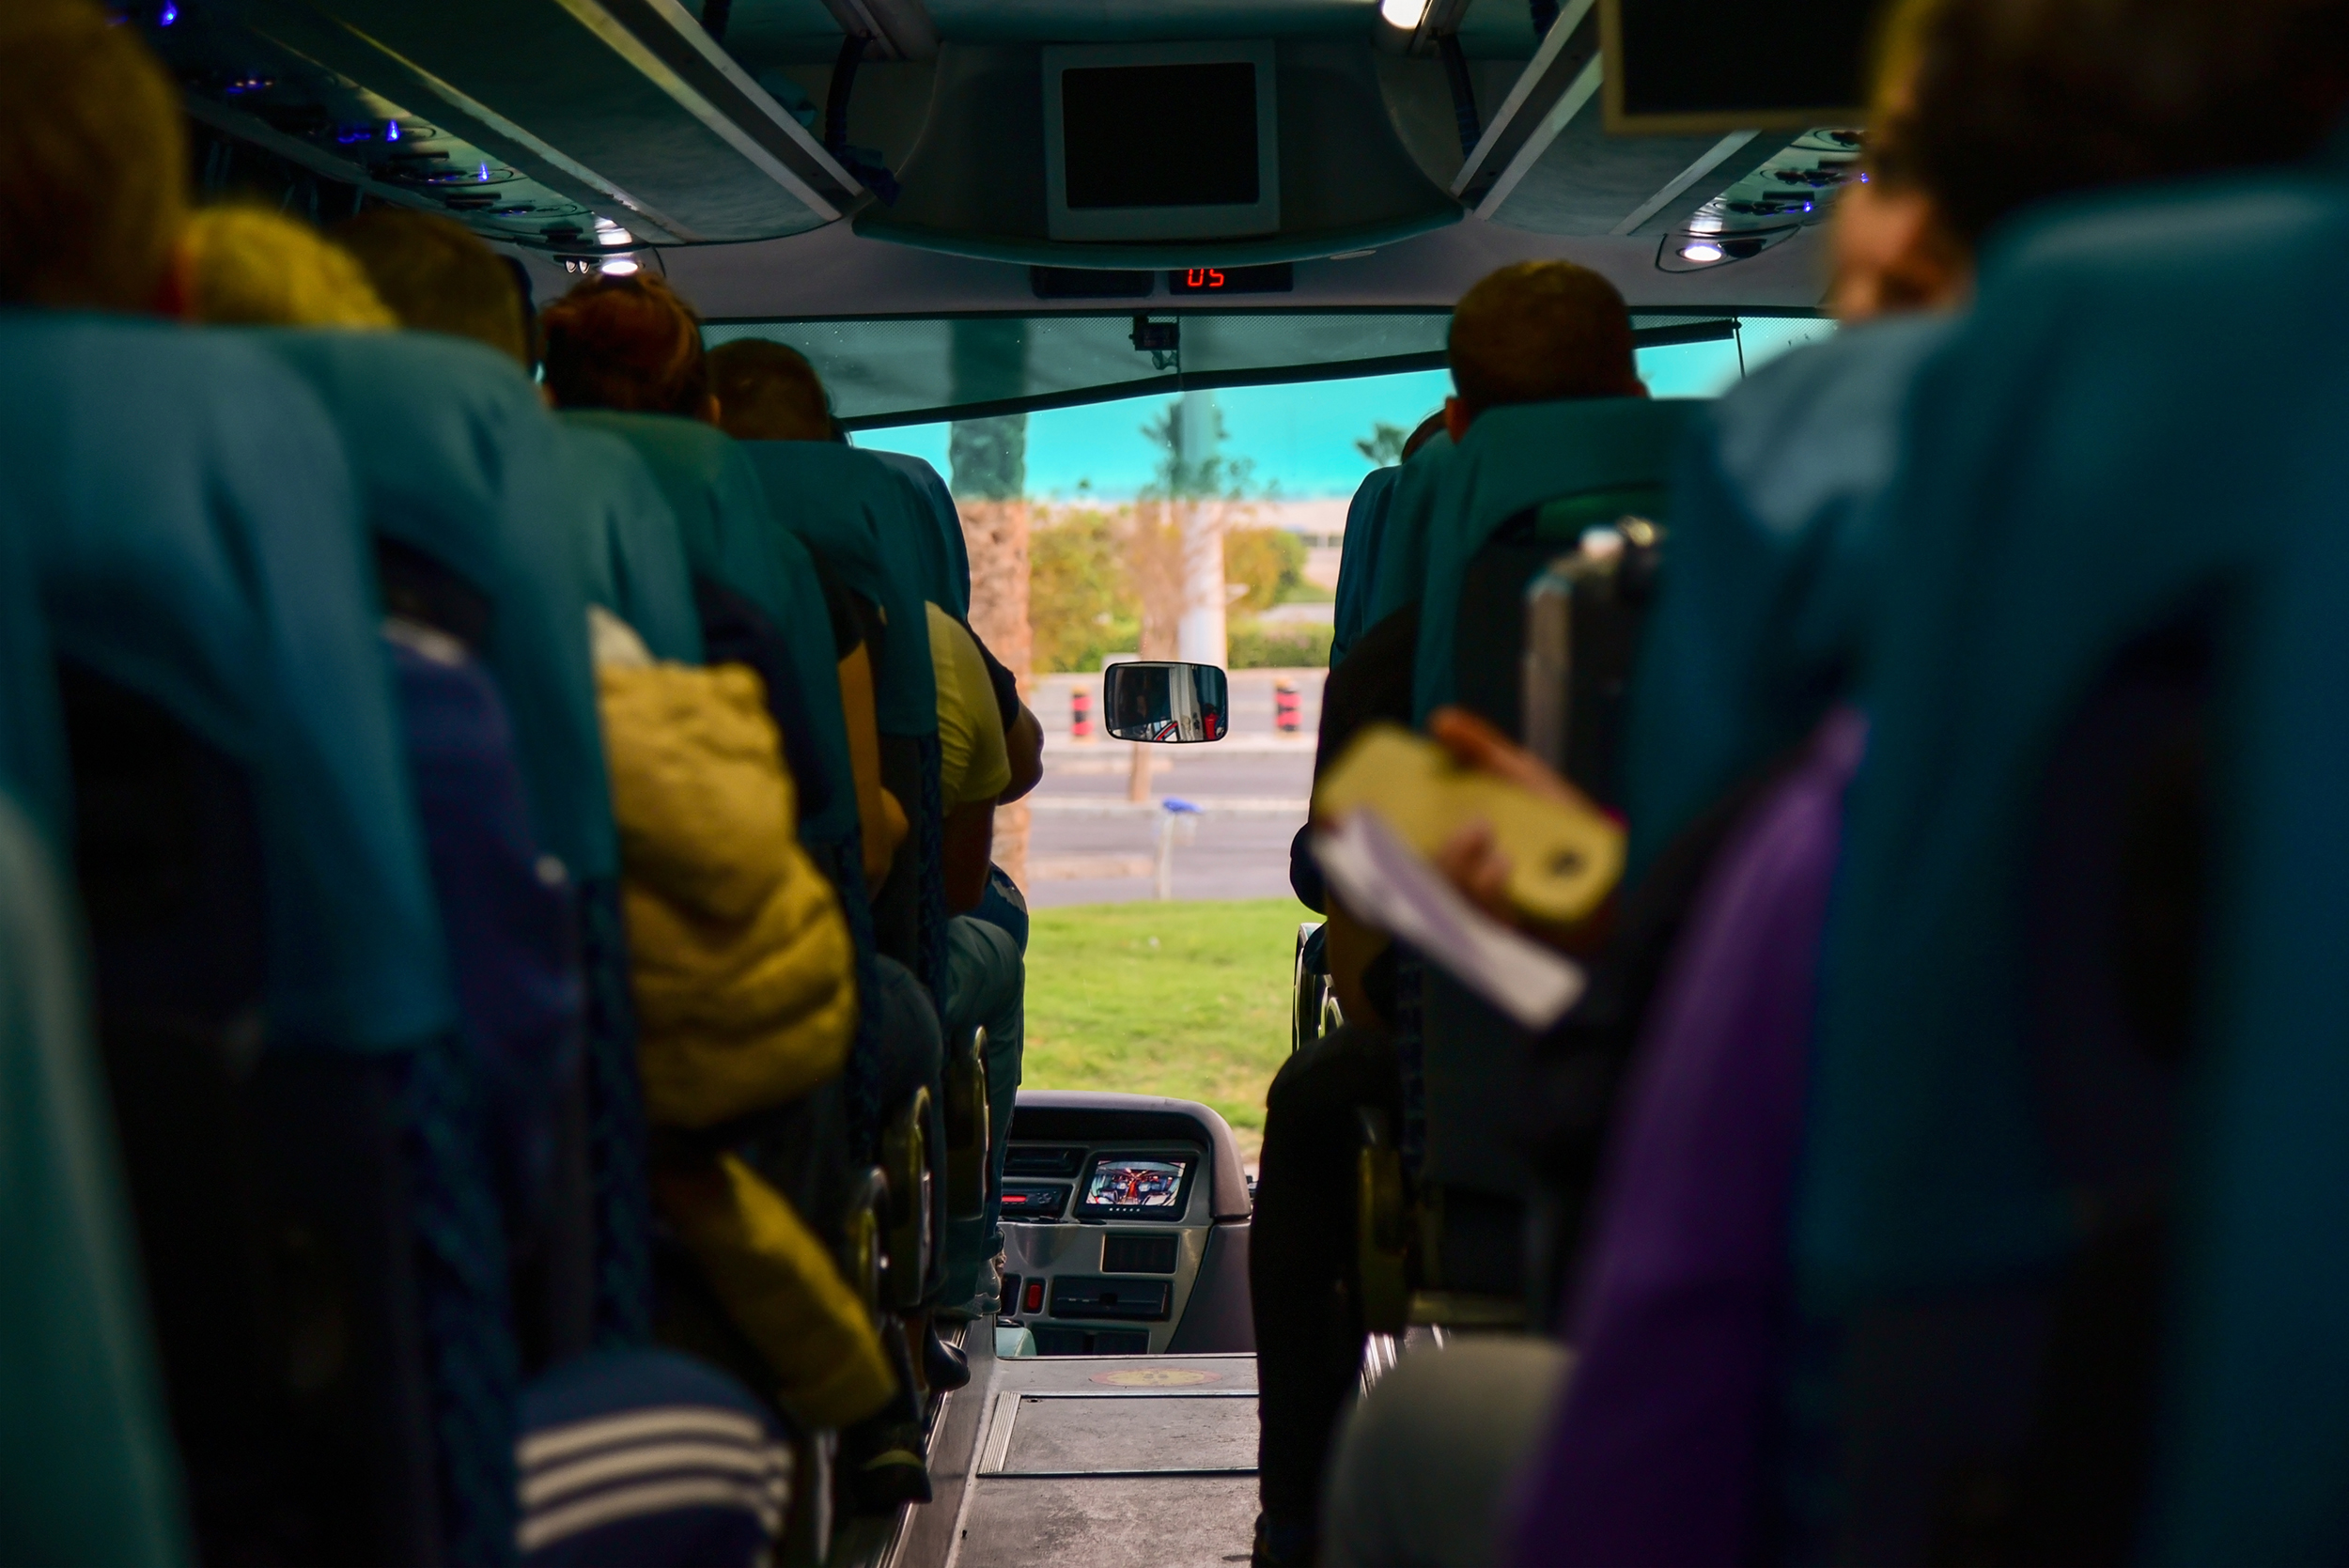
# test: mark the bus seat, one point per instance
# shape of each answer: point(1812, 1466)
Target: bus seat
point(462, 480)
point(2045, 532)
point(1396, 571)
point(1659, 1449)
point(266, 945)
point(1358, 556)
point(207, 566)
point(1602, 457)
point(647, 1457)
point(456, 456)
point(724, 520)
point(869, 525)
point(733, 547)
point(514, 949)
point(851, 513)
point(946, 562)
point(33, 770)
point(90, 1472)
point(635, 566)
point(1775, 495)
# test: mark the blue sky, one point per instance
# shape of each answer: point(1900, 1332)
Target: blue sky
point(1301, 437)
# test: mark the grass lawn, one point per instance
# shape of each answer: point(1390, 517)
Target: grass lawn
point(1188, 999)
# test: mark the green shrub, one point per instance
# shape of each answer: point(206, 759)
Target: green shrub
point(1294, 646)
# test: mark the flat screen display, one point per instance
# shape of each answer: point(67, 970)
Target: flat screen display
point(1691, 64)
point(1161, 136)
point(1135, 1187)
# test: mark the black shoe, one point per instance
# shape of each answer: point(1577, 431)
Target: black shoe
point(944, 1366)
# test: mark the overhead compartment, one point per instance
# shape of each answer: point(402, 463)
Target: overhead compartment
point(624, 107)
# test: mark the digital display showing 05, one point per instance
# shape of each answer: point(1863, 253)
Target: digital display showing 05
point(1277, 278)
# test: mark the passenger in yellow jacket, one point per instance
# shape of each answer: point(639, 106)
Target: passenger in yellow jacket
point(746, 1001)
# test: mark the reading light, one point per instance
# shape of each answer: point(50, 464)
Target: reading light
point(169, 14)
point(1702, 253)
point(617, 267)
point(1404, 15)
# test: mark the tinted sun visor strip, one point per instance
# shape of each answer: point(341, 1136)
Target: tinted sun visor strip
point(885, 373)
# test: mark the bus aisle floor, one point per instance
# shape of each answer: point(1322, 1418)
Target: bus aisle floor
point(1103, 1461)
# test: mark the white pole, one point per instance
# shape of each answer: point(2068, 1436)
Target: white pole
point(1200, 634)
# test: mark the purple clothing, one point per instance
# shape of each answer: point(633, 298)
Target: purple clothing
point(1651, 1458)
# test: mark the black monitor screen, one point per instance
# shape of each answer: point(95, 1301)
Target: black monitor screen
point(1135, 1187)
point(1161, 136)
point(1732, 56)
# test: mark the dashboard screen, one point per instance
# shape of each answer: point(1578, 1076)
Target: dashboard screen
point(1161, 136)
point(1135, 1187)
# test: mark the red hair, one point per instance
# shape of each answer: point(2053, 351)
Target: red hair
point(625, 343)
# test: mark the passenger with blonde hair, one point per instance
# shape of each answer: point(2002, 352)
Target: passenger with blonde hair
point(249, 267)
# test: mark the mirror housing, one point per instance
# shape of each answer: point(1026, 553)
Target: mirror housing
point(1165, 702)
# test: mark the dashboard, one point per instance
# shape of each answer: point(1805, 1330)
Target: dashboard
point(1123, 1235)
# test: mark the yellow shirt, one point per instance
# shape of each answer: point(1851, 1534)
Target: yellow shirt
point(973, 764)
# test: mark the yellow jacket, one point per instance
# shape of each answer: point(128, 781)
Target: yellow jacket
point(780, 1287)
point(745, 998)
point(744, 976)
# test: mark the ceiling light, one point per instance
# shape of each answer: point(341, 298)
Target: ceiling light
point(1702, 253)
point(614, 236)
point(617, 267)
point(1403, 14)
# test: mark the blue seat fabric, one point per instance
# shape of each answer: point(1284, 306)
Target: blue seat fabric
point(86, 1468)
point(2044, 525)
point(635, 556)
point(1757, 624)
point(1358, 559)
point(946, 555)
point(852, 512)
point(216, 563)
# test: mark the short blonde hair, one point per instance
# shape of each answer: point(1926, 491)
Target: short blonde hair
point(93, 161)
point(251, 267)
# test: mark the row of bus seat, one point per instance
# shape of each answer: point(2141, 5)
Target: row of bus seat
point(1976, 1195)
point(353, 899)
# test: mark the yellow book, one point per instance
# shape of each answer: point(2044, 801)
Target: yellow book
point(1562, 861)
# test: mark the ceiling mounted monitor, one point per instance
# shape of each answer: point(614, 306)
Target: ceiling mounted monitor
point(1681, 67)
point(1171, 141)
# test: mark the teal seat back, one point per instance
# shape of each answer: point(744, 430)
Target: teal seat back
point(87, 1473)
point(634, 554)
point(1358, 557)
point(196, 533)
point(730, 538)
point(456, 456)
point(945, 553)
point(2073, 482)
point(32, 761)
point(853, 513)
point(1401, 558)
point(1614, 453)
point(1756, 626)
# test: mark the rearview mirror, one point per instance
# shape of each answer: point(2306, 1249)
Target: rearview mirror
point(1164, 702)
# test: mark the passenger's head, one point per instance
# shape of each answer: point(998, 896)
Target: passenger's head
point(768, 392)
point(93, 163)
point(248, 266)
point(627, 343)
point(1986, 106)
point(1536, 332)
point(437, 275)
